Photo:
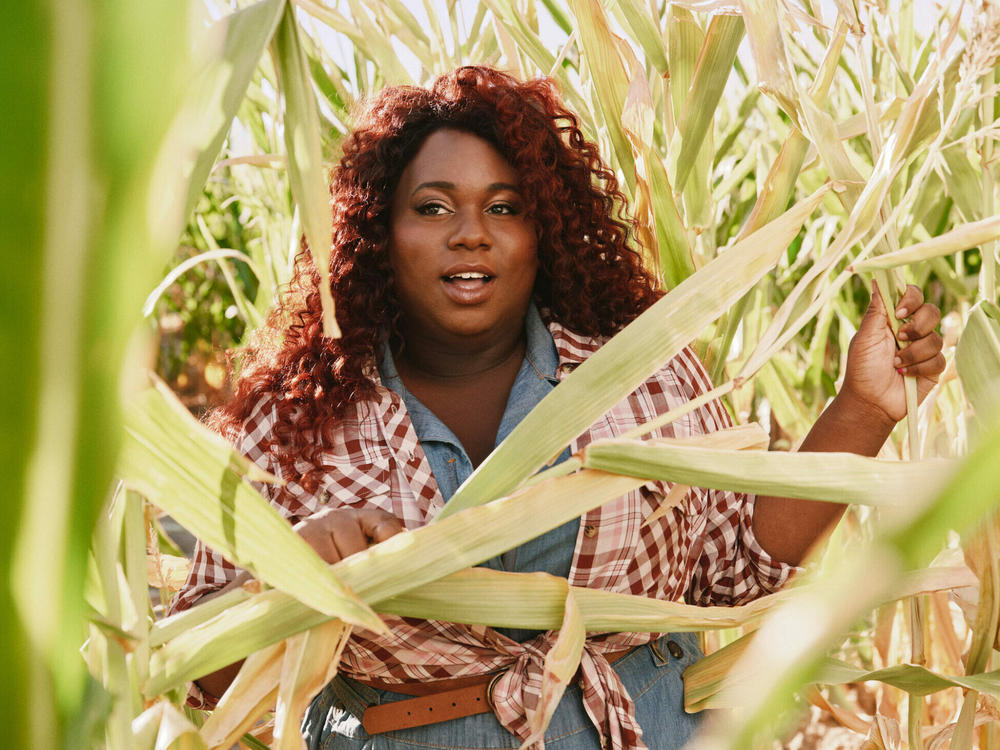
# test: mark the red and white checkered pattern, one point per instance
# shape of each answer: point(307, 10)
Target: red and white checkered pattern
point(702, 551)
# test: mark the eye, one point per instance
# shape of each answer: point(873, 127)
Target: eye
point(431, 209)
point(503, 209)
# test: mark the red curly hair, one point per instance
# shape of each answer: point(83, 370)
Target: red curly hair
point(589, 279)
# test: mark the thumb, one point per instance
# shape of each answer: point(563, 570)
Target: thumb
point(875, 318)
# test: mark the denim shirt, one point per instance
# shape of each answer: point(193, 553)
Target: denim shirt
point(551, 552)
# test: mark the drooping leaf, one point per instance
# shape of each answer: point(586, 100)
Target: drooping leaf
point(197, 477)
point(306, 172)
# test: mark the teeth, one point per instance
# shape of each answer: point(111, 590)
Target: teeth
point(469, 275)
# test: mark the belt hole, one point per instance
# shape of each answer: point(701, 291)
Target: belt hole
point(453, 704)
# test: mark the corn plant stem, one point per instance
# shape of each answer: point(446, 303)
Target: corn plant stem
point(137, 577)
point(915, 708)
point(988, 269)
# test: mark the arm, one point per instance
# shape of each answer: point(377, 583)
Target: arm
point(870, 403)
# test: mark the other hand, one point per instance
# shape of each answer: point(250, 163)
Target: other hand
point(336, 533)
point(876, 368)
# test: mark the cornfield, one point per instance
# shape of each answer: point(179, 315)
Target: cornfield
point(778, 155)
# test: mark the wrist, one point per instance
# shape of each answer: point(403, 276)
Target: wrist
point(851, 425)
point(852, 409)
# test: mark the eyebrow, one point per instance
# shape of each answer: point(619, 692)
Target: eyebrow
point(444, 185)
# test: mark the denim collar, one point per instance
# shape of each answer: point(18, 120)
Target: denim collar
point(536, 377)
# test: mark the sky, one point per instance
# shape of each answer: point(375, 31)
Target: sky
point(925, 12)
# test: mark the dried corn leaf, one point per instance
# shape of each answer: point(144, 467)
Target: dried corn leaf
point(833, 477)
point(250, 696)
point(163, 726)
point(561, 663)
point(310, 662)
point(960, 238)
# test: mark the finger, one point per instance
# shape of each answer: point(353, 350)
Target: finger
point(318, 538)
point(379, 525)
point(921, 323)
point(913, 298)
point(875, 316)
point(929, 368)
point(920, 350)
point(348, 535)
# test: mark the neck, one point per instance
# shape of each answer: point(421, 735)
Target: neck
point(439, 360)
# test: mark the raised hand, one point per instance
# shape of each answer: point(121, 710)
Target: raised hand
point(876, 368)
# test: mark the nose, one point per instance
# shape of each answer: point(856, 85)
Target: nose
point(470, 232)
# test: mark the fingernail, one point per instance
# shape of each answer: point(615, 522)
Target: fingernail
point(902, 336)
point(897, 361)
point(901, 312)
point(901, 370)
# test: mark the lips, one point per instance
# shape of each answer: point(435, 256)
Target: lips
point(468, 284)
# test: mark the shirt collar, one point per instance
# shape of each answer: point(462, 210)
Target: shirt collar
point(426, 424)
point(572, 348)
point(539, 349)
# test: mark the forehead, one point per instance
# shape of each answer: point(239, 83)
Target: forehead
point(458, 157)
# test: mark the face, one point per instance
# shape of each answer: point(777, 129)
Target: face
point(463, 253)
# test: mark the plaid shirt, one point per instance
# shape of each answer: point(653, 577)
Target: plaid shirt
point(702, 551)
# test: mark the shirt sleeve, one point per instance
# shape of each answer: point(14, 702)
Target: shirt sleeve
point(733, 568)
point(209, 570)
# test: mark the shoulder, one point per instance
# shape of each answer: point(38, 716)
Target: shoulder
point(684, 371)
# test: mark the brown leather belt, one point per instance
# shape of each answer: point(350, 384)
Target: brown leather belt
point(435, 703)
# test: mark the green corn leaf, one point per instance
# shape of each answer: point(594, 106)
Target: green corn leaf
point(909, 677)
point(609, 77)
point(558, 15)
point(379, 46)
point(834, 477)
point(305, 154)
point(960, 238)
point(675, 253)
point(977, 358)
point(715, 62)
point(635, 16)
point(106, 176)
point(221, 84)
point(199, 479)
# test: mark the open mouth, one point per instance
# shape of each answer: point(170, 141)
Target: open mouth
point(468, 287)
point(467, 277)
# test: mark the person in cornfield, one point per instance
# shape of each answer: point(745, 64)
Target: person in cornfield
point(480, 254)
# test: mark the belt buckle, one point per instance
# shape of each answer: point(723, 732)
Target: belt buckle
point(489, 689)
